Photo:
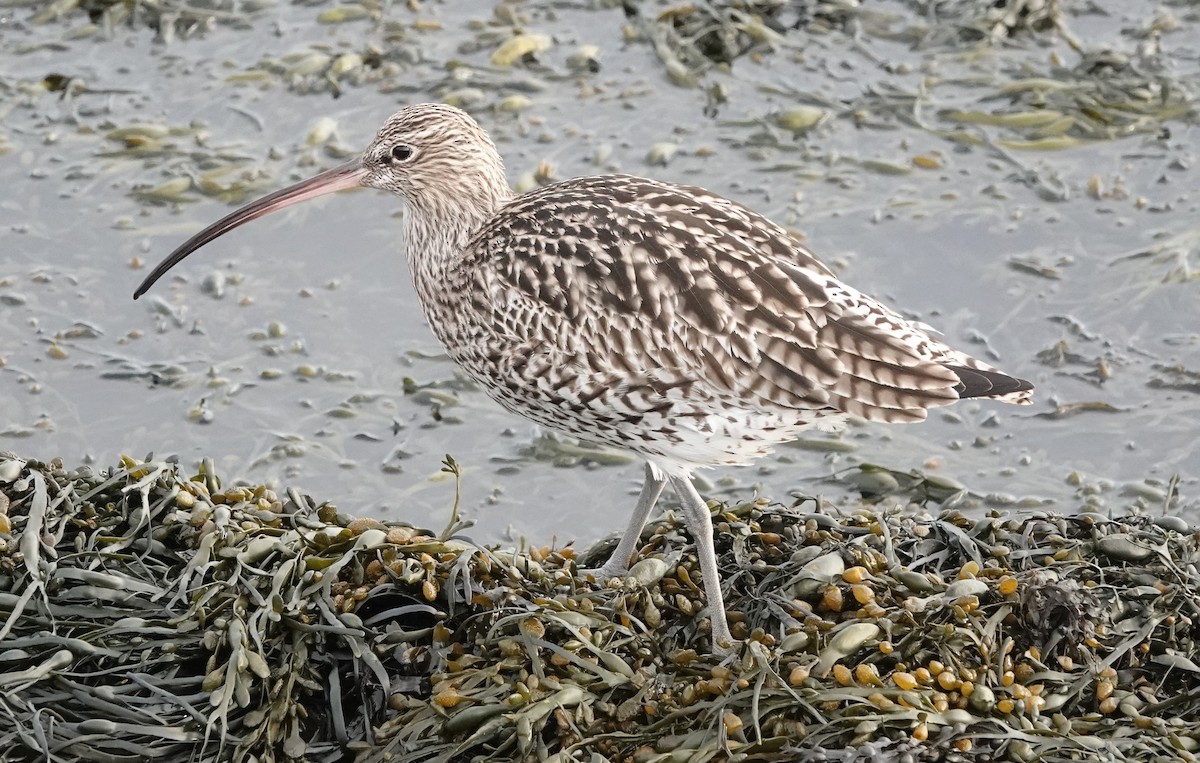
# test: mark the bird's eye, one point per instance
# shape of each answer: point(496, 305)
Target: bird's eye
point(401, 152)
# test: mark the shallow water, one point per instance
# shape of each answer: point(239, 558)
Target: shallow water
point(284, 350)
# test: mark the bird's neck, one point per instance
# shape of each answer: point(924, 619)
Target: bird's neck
point(437, 231)
point(438, 228)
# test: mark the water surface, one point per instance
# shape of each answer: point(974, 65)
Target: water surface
point(294, 351)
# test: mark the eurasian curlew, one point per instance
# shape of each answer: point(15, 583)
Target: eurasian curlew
point(657, 318)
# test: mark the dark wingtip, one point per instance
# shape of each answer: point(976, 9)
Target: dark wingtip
point(976, 382)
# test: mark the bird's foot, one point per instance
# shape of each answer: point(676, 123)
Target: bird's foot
point(605, 572)
point(724, 645)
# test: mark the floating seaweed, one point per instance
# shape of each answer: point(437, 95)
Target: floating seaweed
point(691, 37)
point(179, 18)
point(148, 614)
point(994, 22)
point(1105, 97)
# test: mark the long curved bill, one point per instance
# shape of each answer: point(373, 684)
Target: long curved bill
point(348, 175)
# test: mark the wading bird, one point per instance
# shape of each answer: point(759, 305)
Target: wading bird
point(652, 317)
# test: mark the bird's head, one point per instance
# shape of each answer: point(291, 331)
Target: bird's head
point(434, 156)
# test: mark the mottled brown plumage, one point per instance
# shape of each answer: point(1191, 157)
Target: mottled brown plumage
point(653, 317)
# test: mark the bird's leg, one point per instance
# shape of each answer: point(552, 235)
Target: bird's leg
point(699, 522)
point(618, 563)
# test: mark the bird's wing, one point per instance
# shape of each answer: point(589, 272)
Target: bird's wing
point(624, 280)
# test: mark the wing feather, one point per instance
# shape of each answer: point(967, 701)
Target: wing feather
point(673, 287)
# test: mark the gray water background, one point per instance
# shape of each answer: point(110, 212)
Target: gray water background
point(283, 351)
